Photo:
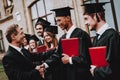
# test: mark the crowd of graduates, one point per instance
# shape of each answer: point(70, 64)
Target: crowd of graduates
point(46, 36)
point(23, 61)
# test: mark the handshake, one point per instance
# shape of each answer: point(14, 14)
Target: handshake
point(41, 69)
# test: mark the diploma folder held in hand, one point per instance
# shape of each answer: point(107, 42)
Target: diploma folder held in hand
point(97, 55)
point(41, 48)
point(70, 46)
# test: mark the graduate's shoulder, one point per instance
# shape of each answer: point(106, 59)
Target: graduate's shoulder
point(79, 30)
point(111, 31)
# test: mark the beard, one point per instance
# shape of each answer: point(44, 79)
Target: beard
point(66, 27)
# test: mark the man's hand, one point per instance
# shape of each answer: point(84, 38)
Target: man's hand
point(65, 59)
point(37, 67)
point(42, 66)
point(92, 69)
point(42, 70)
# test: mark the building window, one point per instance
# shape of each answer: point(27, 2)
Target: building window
point(108, 13)
point(2, 49)
point(0, 14)
point(88, 1)
point(117, 12)
point(8, 6)
point(111, 13)
point(41, 9)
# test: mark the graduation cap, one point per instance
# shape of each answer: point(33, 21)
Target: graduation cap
point(42, 22)
point(64, 11)
point(33, 37)
point(94, 8)
point(27, 36)
point(52, 29)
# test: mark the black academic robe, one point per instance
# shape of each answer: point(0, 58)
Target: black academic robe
point(38, 58)
point(109, 38)
point(40, 43)
point(79, 70)
point(19, 67)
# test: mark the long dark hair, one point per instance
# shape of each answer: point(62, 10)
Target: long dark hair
point(54, 40)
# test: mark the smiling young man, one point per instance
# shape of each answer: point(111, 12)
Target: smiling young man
point(67, 67)
point(40, 26)
point(94, 16)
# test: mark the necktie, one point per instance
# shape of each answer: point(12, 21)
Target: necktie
point(97, 35)
point(95, 40)
point(65, 35)
point(24, 52)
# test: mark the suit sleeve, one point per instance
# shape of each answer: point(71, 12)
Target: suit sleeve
point(55, 59)
point(42, 56)
point(14, 73)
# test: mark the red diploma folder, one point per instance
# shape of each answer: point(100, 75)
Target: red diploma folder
point(97, 55)
point(41, 48)
point(70, 46)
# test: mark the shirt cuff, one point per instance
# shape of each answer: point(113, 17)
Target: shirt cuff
point(46, 65)
point(70, 60)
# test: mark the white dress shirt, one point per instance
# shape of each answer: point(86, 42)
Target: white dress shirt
point(17, 48)
point(103, 29)
point(41, 39)
point(69, 32)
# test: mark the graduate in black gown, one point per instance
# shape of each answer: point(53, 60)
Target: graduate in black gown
point(76, 67)
point(94, 16)
point(40, 25)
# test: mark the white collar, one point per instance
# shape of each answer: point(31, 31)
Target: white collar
point(103, 29)
point(69, 32)
point(15, 47)
point(41, 38)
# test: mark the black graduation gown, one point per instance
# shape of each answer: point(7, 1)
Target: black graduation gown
point(109, 38)
point(79, 70)
point(40, 43)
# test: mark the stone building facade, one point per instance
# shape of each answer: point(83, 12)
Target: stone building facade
point(25, 13)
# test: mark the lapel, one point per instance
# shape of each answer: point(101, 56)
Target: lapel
point(103, 39)
point(64, 36)
point(40, 43)
point(20, 61)
point(17, 54)
point(14, 51)
point(74, 33)
point(105, 33)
